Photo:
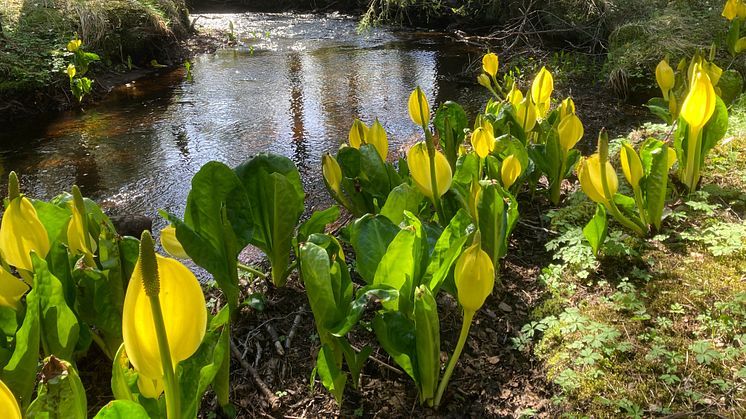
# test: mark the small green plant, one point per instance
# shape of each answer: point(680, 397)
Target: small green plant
point(78, 67)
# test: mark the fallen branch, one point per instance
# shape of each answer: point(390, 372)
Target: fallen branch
point(274, 401)
point(294, 327)
point(275, 338)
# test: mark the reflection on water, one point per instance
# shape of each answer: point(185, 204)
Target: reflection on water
point(292, 86)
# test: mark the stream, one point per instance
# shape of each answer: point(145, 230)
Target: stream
point(292, 85)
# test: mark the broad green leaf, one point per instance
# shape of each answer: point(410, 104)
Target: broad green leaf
point(380, 293)
point(315, 269)
point(331, 375)
point(374, 176)
point(659, 107)
point(396, 334)
point(355, 360)
point(730, 85)
point(467, 168)
point(98, 305)
point(714, 130)
point(317, 222)
point(498, 213)
point(447, 249)
point(122, 409)
point(276, 195)
point(401, 198)
point(734, 32)
point(370, 236)
point(450, 121)
point(60, 393)
point(19, 374)
point(349, 161)
point(427, 341)
point(197, 372)
point(59, 325)
point(595, 230)
point(8, 326)
point(654, 156)
point(54, 218)
point(400, 266)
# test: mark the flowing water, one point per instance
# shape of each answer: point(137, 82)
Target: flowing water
point(292, 85)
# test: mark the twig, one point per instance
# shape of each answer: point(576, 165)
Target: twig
point(294, 327)
point(275, 338)
point(379, 362)
point(258, 354)
point(274, 401)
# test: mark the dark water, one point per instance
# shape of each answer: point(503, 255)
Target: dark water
point(292, 86)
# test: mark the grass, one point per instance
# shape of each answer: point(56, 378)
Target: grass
point(657, 326)
point(33, 55)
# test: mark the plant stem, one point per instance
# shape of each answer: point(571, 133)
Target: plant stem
point(611, 205)
point(251, 270)
point(433, 174)
point(640, 205)
point(170, 385)
point(692, 143)
point(465, 325)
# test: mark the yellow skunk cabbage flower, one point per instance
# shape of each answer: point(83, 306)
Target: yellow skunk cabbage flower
point(171, 244)
point(570, 131)
point(332, 173)
point(377, 136)
point(567, 107)
point(525, 113)
point(20, 233)
point(77, 229)
point(699, 104)
point(184, 314)
point(484, 80)
point(671, 157)
point(74, 45)
point(510, 170)
point(11, 291)
point(474, 275)
point(541, 90)
point(8, 404)
point(734, 8)
point(631, 165)
point(514, 95)
point(483, 141)
point(358, 132)
point(589, 174)
point(490, 63)
point(71, 71)
point(419, 168)
point(665, 77)
point(419, 110)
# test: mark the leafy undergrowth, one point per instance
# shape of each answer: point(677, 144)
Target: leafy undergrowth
point(656, 326)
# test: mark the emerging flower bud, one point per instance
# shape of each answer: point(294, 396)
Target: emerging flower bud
point(631, 165)
point(665, 77)
point(332, 173)
point(71, 71)
point(514, 95)
point(525, 113)
point(419, 110)
point(74, 45)
point(358, 133)
point(474, 275)
point(484, 80)
point(541, 91)
point(567, 107)
point(21, 232)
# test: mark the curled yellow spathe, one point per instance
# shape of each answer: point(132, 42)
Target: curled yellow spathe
point(74, 45)
point(76, 234)
point(510, 170)
point(474, 275)
point(21, 232)
point(567, 107)
point(332, 173)
point(483, 141)
point(419, 169)
point(589, 174)
point(665, 77)
point(734, 8)
point(171, 244)
point(514, 95)
point(8, 404)
point(377, 136)
point(631, 165)
point(11, 290)
point(570, 130)
point(490, 64)
point(184, 316)
point(419, 110)
point(71, 70)
point(525, 113)
point(357, 134)
point(699, 104)
point(541, 90)
point(484, 80)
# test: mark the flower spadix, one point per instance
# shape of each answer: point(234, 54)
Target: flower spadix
point(510, 170)
point(21, 232)
point(171, 244)
point(474, 275)
point(182, 308)
point(8, 404)
point(589, 174)
point(665, 77)
point(699, 104)
point(631, 165)
point(570, 131)
point(419, 110)
point(418, 161)
point(490, 64)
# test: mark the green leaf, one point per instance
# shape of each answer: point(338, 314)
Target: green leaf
point(498, 213)
point(427, 342)
point(595, 230)
point(370, 237)
point(659, 107)
point(734, 32)
point(396, 334)
point(374, 176)
point(99, 305)
point(730, 85)
point(450, 121)
point(400, 267)
point(320, 289)
point(20, 372)
point(714, 130)
point(401, 198)
point(197, 372)
point(654, 156)
point(59, 324)
point(54, 218)
point(447, 249)
point(60, 393)
point(122, 409)
point(355, 360)
point(349, 161)
point(123, 378)
point(274, 189)
point(380, 293)
point(331, 375)
point(317, 222)
point(467, 168)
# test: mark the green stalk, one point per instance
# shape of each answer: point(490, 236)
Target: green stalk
point(251, 270)
point(431, 155)
point(557, 183)
point(640, 205)
point(691, 158)
point(465, 325)
point(611, 205)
